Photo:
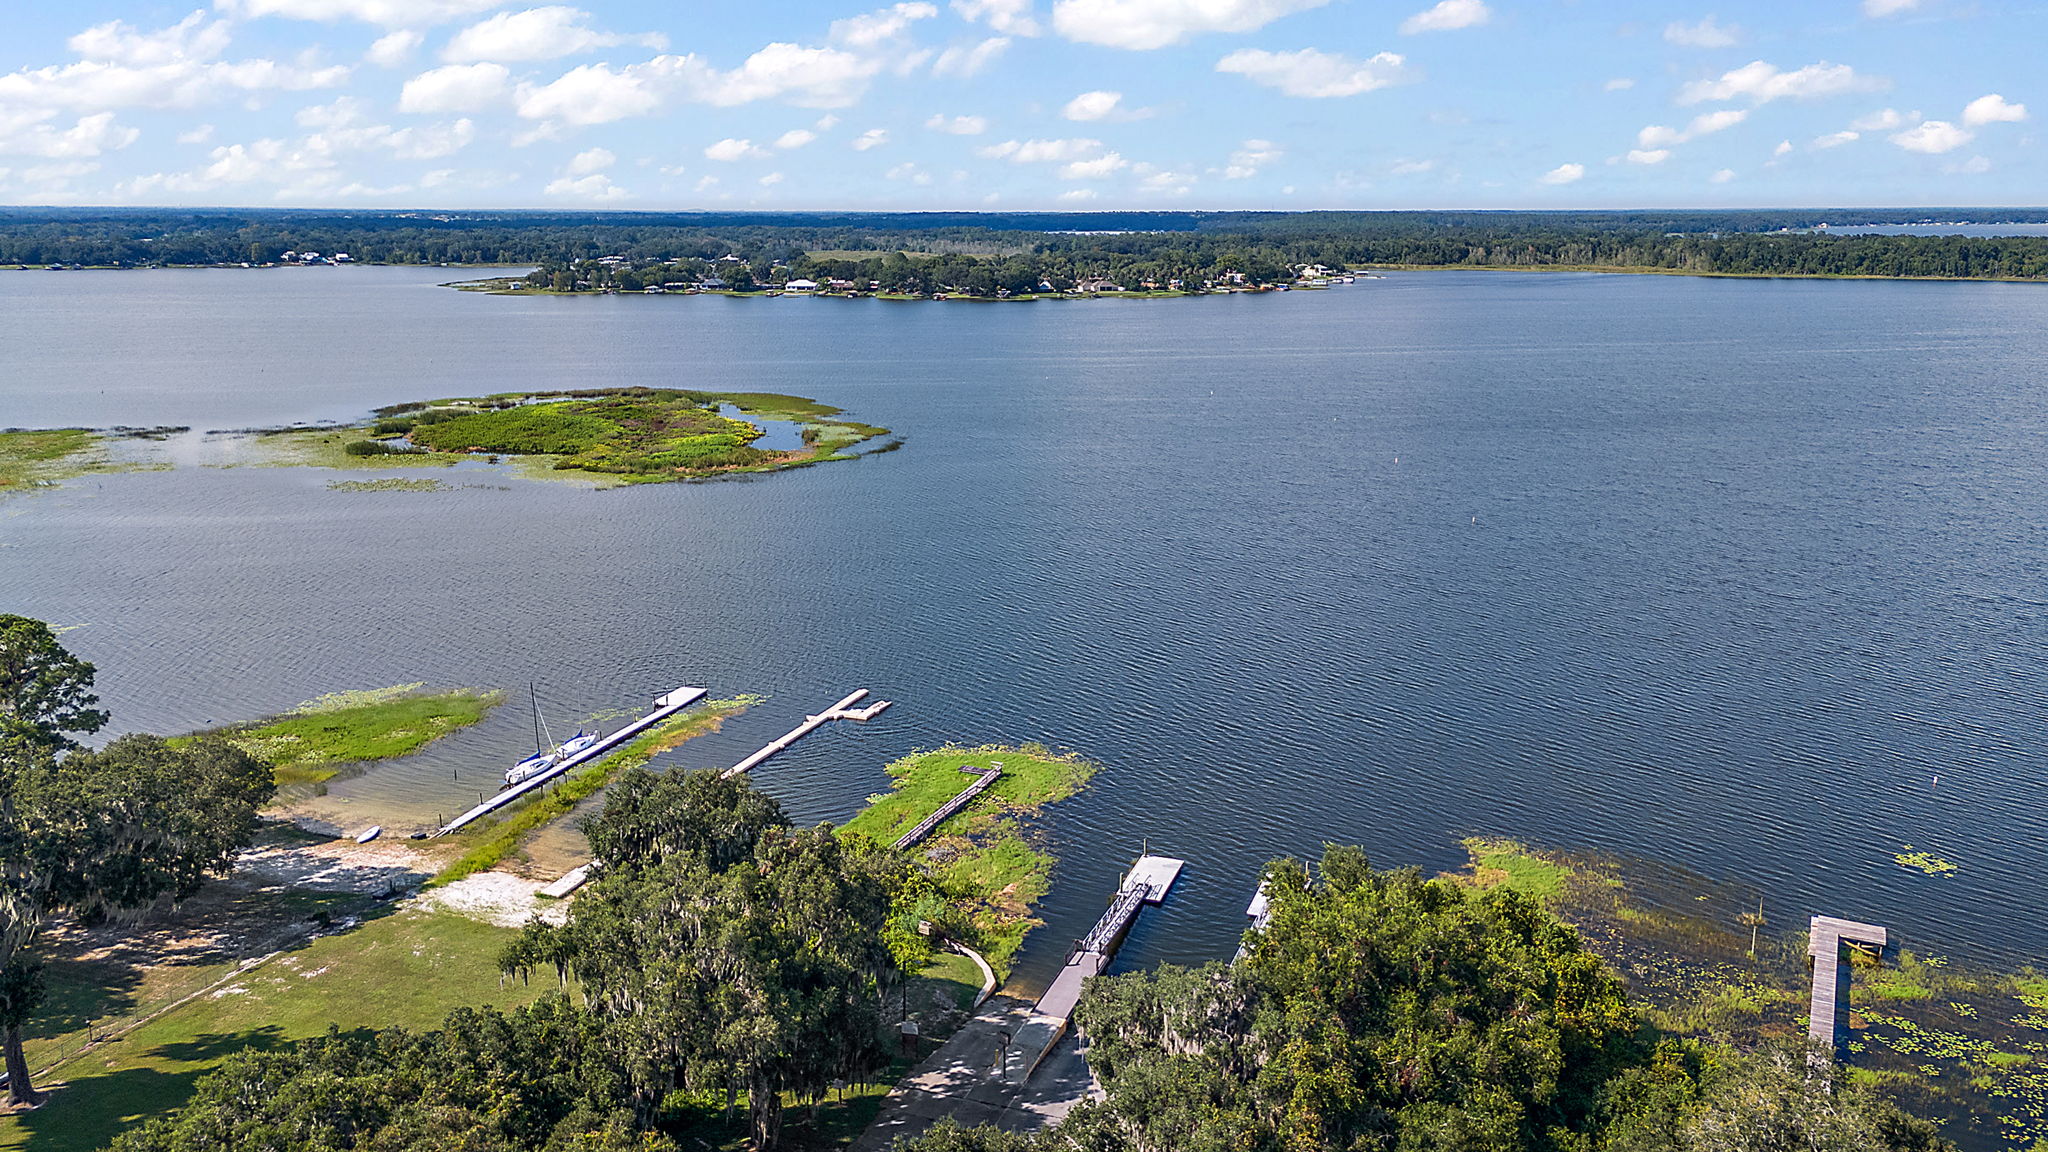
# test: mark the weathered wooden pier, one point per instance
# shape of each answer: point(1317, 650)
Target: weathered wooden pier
point(1148, 882)
point(664, 707)
point(983, 777)
point(1825, 940)
point(844, 710)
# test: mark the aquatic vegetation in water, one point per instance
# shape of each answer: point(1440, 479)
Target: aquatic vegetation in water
point(390, 484)
point(1924, 861)
point(310, 743)
point(1508, 862)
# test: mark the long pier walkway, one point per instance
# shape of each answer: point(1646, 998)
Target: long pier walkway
point(983, 777)
point(664, 707)
point(844, 710)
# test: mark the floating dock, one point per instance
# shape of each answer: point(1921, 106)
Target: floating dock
point(844, 710)
point(983, 777)
point(1148, 882)
point(664, 707)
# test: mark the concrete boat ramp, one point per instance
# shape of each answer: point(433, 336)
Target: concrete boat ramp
point(1015, 1065)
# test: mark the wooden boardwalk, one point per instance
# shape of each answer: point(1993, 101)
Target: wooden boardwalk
point(844, 710)
point(983, 777)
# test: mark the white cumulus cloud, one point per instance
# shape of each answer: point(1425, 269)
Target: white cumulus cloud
point(1760, 83)
point(1011, 17)
point(90, 136)
point(1043, 151)
point(871, 139)
point(595, 160)
point(1933, 137)
point(958, 125)
point(536, 34)
point(1883, 120)
point(1992, 109)
point(1620, 84)
point(118, 42)
point(390, 13)
point(795, 138)
point(1317, 75)
point(873, 29)
point(1881, 8)
point(964, 60)
point(1564, 174)
point(1448, 16)
point(1836, 139)
point(731, 149)
point(1098, 168)
point(1145, 24)
point(596, 186)
point(1723, 176)
point(393, 49)
point(1092, 106)
point(456, 88)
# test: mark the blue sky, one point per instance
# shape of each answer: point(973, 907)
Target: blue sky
point(1016, 104)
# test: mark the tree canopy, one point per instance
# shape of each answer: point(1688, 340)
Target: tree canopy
point(92, 832)
point(726, 950)
point(1386, 1012)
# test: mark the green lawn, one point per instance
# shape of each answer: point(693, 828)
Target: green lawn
point(408, 968)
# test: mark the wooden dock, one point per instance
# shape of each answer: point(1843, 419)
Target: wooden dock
point(664, 707)
point(844, 710)
point(1824, 943)
point(983, 777)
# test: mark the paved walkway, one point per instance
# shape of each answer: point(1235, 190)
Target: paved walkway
point(973, 1078)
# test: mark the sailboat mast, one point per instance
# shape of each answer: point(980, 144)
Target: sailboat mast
point(533, 695)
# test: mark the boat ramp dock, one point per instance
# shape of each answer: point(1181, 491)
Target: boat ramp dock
point(664, 707)
point(844, 710)
point(1147, 883)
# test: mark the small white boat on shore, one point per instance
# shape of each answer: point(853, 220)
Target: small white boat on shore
point(370, 833)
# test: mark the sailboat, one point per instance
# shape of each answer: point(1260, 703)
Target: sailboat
point(543, 758)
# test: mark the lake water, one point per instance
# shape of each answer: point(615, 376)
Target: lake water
point(1723, 572)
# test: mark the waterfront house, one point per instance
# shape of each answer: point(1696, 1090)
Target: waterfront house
point(801, 285)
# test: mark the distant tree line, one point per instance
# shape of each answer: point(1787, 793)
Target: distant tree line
point(1009, 250)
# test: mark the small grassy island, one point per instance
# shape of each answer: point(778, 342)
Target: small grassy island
point(622, 435)
point(984, 857)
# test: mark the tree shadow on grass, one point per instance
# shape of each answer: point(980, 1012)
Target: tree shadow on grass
point(86, 1111)
point(211, 1048)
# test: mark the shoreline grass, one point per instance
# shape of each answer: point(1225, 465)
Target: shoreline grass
point(490, 843)
point(986, 857)
point(313, 742)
